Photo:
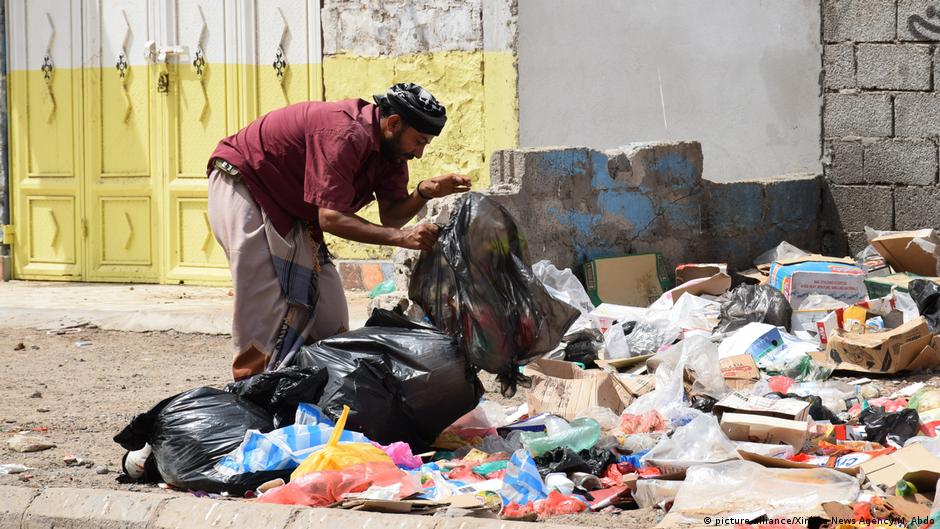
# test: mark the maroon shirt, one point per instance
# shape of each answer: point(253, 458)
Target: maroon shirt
point(314, 155)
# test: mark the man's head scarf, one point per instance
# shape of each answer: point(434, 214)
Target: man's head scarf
point(416, 106)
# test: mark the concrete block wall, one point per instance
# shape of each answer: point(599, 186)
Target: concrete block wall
point(881, 117)
point(574, 204)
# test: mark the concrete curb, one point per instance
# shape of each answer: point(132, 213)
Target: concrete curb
point(68, 508)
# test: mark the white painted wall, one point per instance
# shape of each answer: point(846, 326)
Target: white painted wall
point(741, 76)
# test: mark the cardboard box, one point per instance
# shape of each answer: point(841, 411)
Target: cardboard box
point(564, 389)
point(776, 462)
point(879, 287)
point(715, 285)
point(633, 280)
point(799, 278)
point(763, 429)
point(740, 371)
point(744, 403)
point(688, 272)
point(904, 255)
point(912, 463)
point(839, 318)
point(908, 347)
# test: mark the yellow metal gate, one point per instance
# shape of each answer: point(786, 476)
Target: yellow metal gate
point(115, 108)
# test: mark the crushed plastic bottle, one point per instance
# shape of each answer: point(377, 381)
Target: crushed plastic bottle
point(385, 287)
point(580, 434)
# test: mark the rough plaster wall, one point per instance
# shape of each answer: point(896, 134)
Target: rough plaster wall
point(399, 27)
point(880, 119)
point(740, 76)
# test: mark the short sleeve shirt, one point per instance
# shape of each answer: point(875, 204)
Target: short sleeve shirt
point(314, 155)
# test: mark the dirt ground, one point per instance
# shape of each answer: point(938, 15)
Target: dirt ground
point(78, 389)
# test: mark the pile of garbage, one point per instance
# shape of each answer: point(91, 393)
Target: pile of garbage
point(715, 405)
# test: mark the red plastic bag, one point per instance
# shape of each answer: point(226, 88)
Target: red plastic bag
point(650, 421)
point(780, 383)
point(557, 504)
point(326, 487)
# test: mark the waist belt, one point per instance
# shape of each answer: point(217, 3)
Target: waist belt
point(227, 168)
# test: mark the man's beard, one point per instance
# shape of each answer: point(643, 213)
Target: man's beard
point(391, 150)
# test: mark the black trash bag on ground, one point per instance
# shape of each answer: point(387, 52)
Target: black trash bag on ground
point(703, 403)
point(281, 391)
point(592, 461)
point(584, 351)
point(890, 429)
point(190, 432)
point(402, 380)
point(927, 296)
point(755, 303)
point(477, 284)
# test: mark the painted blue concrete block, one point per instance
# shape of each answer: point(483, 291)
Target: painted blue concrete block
point(582, 222)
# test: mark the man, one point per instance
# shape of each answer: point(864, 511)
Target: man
point(278, 184)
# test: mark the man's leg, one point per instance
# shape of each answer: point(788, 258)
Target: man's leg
point(259, 305)
point(332, 314)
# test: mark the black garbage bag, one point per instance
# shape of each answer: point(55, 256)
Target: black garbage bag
point(402, 380)
point(927, 296)
point(477, 284)
point(281, 391)
point(755, 303)
point(890, 429)
point(190, 432)
point(703, 403)
point(592, 461)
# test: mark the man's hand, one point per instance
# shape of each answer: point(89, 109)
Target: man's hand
point(420, 237)
point(441, 186)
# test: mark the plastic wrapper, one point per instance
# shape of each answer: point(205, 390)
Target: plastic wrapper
point(925, 399)
point(401, 455)
point(411, 375)
point(755, 303)
point(736, 487)
point(281, 391)
point(926, 294)
point(324, 488)
point(699, 441)
point(336, 456)
point(649, 335)
point(890, 429)
point(476, 284)
point(189, 433)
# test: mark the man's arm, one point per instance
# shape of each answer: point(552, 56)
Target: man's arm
point(355, 228)
point(397, 214)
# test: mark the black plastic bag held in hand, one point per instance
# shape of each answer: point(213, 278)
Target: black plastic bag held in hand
point(192, 431)
point(477, 284)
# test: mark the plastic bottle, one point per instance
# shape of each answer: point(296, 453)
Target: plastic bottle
point(581, 434)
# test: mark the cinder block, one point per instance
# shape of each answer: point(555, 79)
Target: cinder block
point(844, 164)
point(839, 66)
point(916, 115)
point(859, 20)
point(857, 241)
point(860, 206)
point(917, 207)
point(732, 207)
point(180, 513)
point(82, 508)
point(894, 66)
point(308, 518)
point(901, 162)
point(858, 115)
point(917, 20)
point(792, 201)
point(13, 504)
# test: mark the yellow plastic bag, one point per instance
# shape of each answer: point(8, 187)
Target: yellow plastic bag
point(335, 456)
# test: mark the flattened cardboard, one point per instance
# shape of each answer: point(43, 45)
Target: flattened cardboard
point(907, 347)
point(763, 429)
point(912, 463)
point(740, 371)
point(904, 256)
point(776, 462)
point(634, 280)
point(743, 403)
point(715, 285)
point(690, 271)
point(564, 389)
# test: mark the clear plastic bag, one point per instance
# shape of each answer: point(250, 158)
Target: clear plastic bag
point(755, 303)
point(615, 343)
point(655, 492)
point(699, 441)
point(745, 487)
point(563, 285)
point(649, 335)
point(782, 251)
point(603, 415)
